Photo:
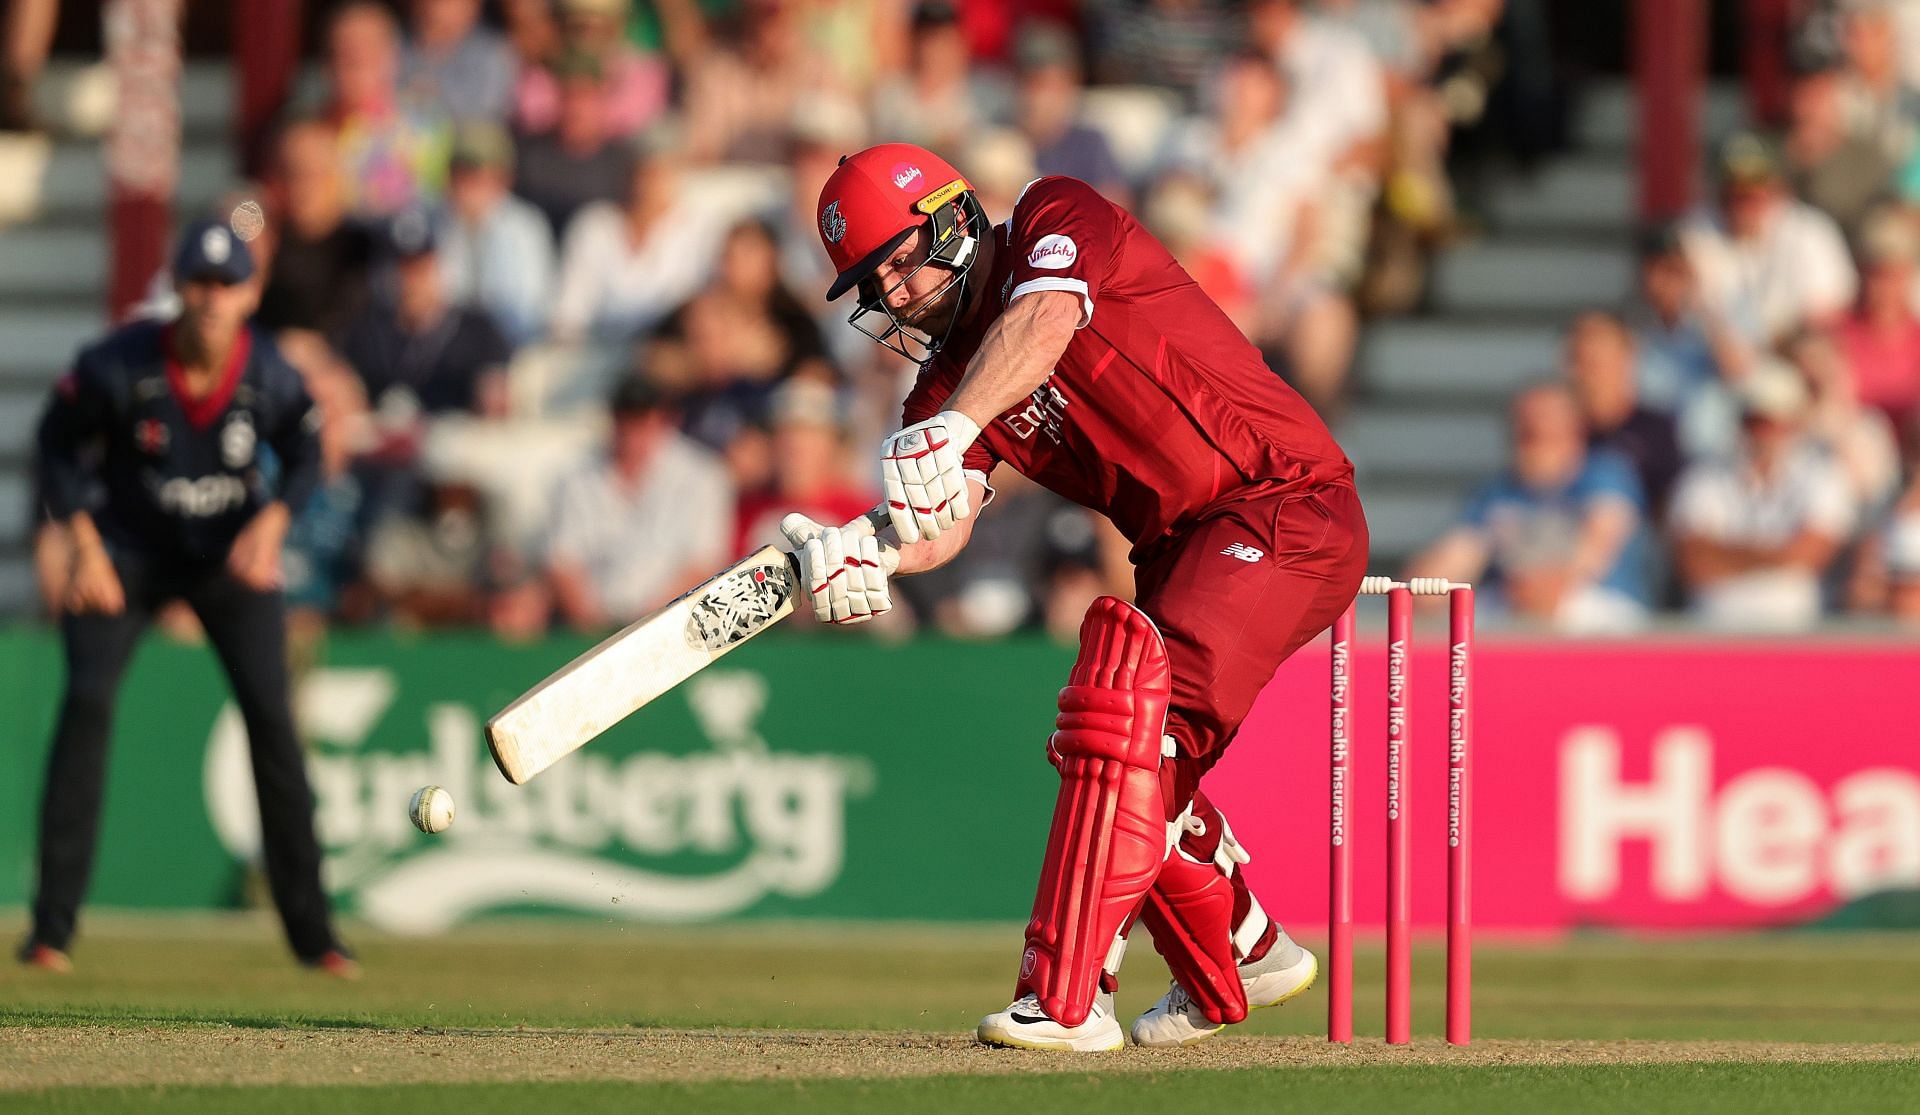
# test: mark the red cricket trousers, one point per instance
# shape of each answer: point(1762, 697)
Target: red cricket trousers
point(1239, 591)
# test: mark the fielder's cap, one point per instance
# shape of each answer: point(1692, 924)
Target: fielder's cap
point(482, 143)
point(874, 200)
point(635, 394)
point(410, 233)
point(1748, 159)
point(1774, 389)
point(210, 250)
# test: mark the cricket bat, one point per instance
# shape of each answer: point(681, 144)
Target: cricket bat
point(644, 660)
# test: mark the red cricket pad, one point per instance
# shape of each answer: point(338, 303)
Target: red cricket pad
point(1109, 833)
point(1191, 915)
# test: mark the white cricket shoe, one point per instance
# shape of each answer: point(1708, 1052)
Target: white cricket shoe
point(1025, 1025)
point(1284, 972)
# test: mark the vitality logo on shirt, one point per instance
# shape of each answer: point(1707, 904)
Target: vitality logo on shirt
point(1244, 552)
point(1054, 252)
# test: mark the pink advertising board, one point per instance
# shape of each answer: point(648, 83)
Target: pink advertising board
point(1660, 785)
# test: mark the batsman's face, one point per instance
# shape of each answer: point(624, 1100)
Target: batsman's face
point(920, 294)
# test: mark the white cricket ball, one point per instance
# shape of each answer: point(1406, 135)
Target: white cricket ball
point(431, 809)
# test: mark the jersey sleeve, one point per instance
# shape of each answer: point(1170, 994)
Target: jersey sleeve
point(1063, 236)
point(77, 417)
point(295, 434)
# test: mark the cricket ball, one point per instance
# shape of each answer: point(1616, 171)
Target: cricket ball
point(431, 809)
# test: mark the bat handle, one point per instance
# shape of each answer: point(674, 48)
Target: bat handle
point(879, 516)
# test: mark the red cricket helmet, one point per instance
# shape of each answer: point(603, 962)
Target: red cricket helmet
point(873, 202)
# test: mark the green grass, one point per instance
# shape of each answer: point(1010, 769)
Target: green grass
point(1822, 987)
point(1737, 1089)
point(199, 974)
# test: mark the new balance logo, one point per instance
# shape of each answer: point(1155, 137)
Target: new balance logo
point(1244, 552)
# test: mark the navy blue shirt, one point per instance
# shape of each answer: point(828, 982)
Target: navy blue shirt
point(180, 475)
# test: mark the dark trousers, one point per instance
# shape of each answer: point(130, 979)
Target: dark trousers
point(248, 632)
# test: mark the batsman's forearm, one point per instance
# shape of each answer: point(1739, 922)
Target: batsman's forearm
point(1017, 354)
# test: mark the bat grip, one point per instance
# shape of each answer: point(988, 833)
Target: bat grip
point(879, 516)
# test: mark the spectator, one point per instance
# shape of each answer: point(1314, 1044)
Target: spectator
point(1881, 337)
point(1859, 439)
point(1000, 165)
point(1683, 353)
point(321, 562)
point(809, 462)
point(1879, 103)
point(1766, 264)
point(940, 101)
point(1837, 170)
point(1559, 538)
point(731, 344)
point(532, 33)
point(580, 161)
point(739, 99)
point(1341, 90)
point(1048, 111)
point(24, 45)
point(1267, 217)
point(497, 252)
point(451, 61)
point(392, 149)
point(633, 531)
point(1170, 43)
point(1754, 535)
point(419, 354)
point(818, 135)
point(624, 267)
point(318, 279)
point(633, 92)
point(1600, 367)
point(431, 569)
point(1886, 578)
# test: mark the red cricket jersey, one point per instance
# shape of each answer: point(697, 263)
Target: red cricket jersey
point(1159, 409)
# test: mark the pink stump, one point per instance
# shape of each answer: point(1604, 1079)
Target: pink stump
point(1459, 817)
point(1399, 798)
point(1339, 830)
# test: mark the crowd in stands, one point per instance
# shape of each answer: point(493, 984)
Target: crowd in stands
point(552, 266)
point(1741, 438)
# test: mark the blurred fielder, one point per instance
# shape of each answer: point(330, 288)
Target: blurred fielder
point(171, 422)
point(1069, 345)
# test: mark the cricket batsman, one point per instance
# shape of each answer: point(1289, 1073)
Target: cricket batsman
point(1069, 345)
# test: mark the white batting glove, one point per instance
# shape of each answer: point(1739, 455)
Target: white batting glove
point(845, 568)
point(921, 471)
